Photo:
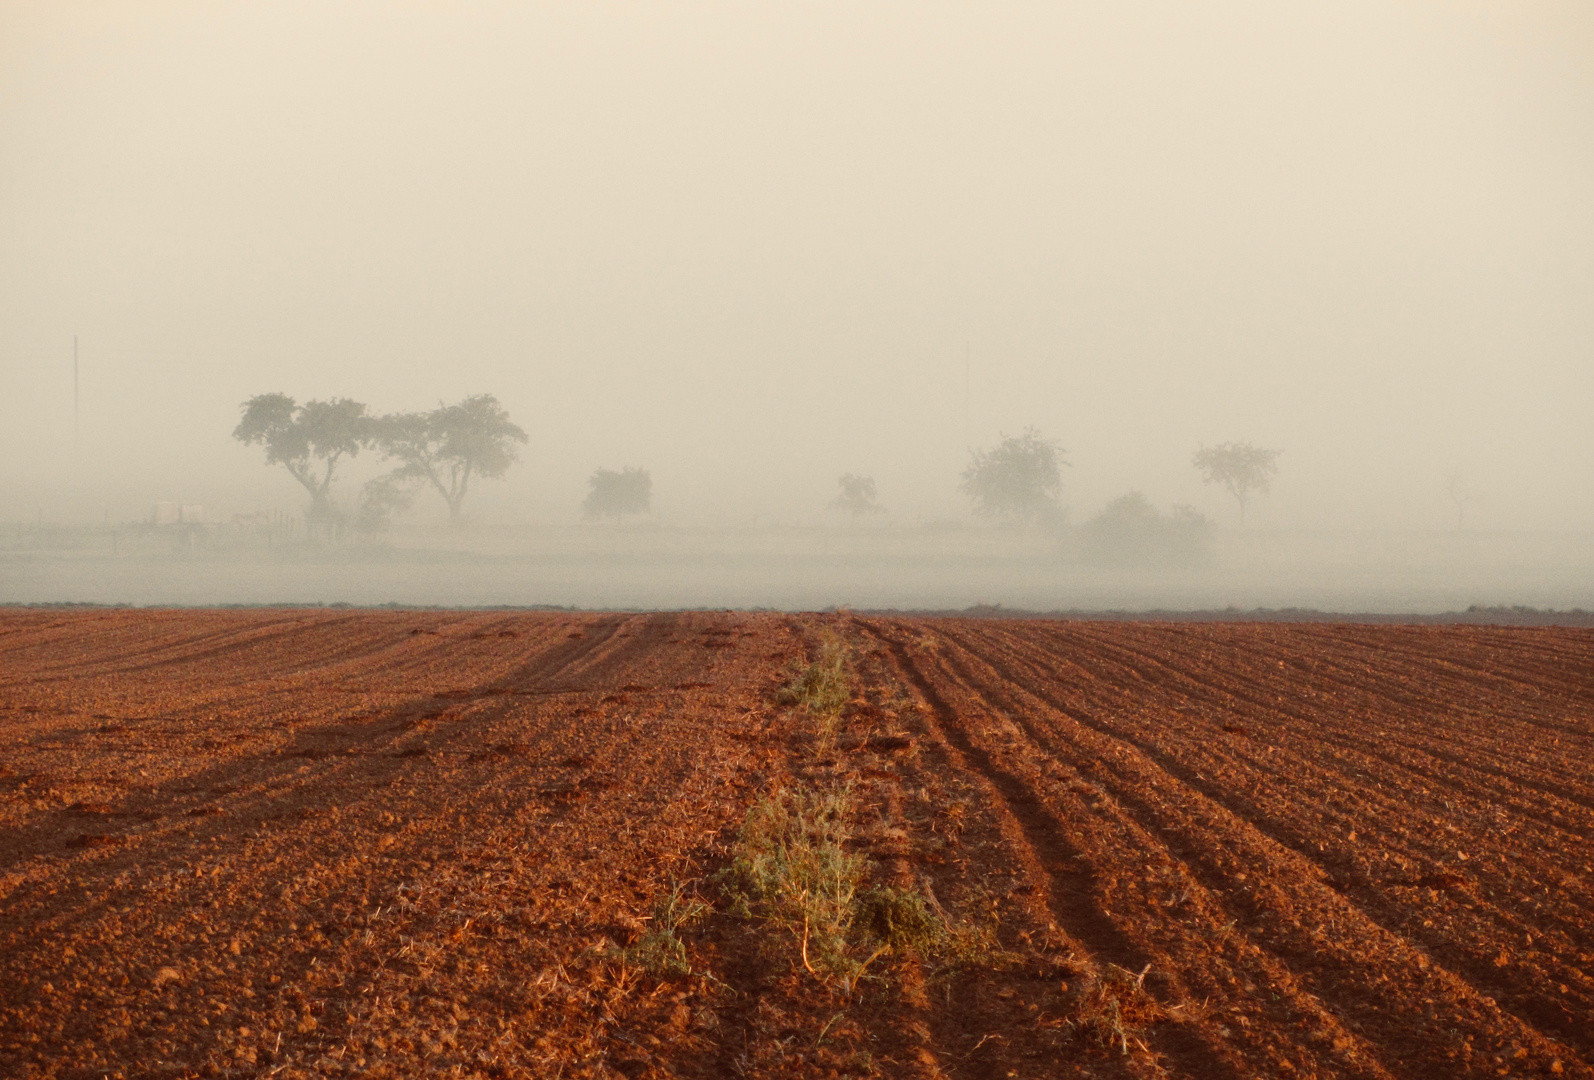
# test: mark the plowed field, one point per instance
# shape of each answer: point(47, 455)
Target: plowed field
point(310, 842)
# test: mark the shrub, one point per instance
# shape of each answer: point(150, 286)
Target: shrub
point(792, 868)
point(615, 494)
point(1129, 530)
point(858, 497)
point(380, 499)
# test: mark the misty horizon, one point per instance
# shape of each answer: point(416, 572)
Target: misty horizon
point(752, 251)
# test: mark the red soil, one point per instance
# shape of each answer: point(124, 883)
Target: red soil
point(305, 843)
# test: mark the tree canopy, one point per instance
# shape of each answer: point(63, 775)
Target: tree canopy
point(309, 440)
point(614, 494)
point(858, 496)
point(1239, 467)
point(450, 446)
point(1017, 479)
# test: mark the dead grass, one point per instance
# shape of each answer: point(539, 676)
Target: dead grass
point(1114, 1007)
point(951, 818)
point(660, 950)
point(822, 688)
point(792, 868)
point(972, 939)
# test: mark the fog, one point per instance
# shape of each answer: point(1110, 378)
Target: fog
point(753, 247)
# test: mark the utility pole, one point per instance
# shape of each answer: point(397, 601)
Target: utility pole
point(968, 433)
point(74, 394)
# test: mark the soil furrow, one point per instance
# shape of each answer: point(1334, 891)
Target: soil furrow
point(308, 843)
point(1213, 872)
point(1468, 965)
point(1364, 775)
point(1066, 876)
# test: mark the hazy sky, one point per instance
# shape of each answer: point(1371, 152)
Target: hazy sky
point(751, 246)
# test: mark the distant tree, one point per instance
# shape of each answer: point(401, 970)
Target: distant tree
point(858, 497)
point(308, 439)
point(1018, 479)
point(1461, 494)
point(450, 446)
point(1130, 531)
point(614, 494)
point(1238, 466)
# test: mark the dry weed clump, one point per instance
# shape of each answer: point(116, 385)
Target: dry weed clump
point(660, 951)
point(1114, 1006)
point(822, 688)
point(900, 917)
point(792, 868)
